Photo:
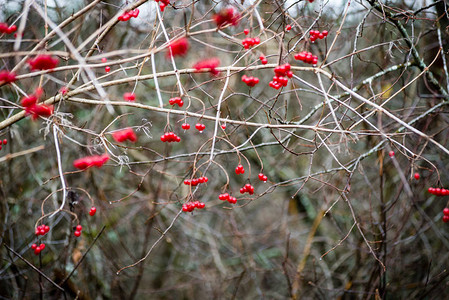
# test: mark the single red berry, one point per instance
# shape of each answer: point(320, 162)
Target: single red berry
point(77, 233)
point(131, 97)
point(325, 33)
point(288, 27)
point(5, 141)
point(42, 231)
point(42, 246)
point(446, 211)
point(438, 191)
point(107, 69)
point(37, 250)
point(417, 176)
point(104, 59)
point(246, 31)
point(46, 228)
point(34, 246)
point(79, 227)
point(391, 153)
point(185, 208)
point(445, 219)
point(92, 211)
point(223, 126)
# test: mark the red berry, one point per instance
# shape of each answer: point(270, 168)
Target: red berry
point(445, 219)
point(34, 246)
point(223, 126)
point(42, 231)
point(77, 233)
point(42, 246)
point(232, 200)
point(92, 211)
point(446, 211)
point(391, 153)
point(438, 191)
point(185, 126)
point(200, 127)
point(246, 31)
point(46, 228)
point(131, 97)
point(201, 205)
point(416, 176)
point(288, 27)
point(37, 250)
point(104, 59)
point(107, 69)
point(5, 141)
point(79, 227)
point(325, 32)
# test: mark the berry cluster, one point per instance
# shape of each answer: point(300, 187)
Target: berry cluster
point(37, 249)
point(249, 42)
point(282, 74)
point(307, 57)
point(178, 47)
point(239, 170)
point(208, 64)
point(176, 100)
point(42, 229)
point(248, 188)
point(315, 34)
point(196, 181)
point(263, 177)
point(5, 141)
point(163, 4)
point(446, 215)
point(190, 206)
point(250, 80)
point(34, 109)
point(90, 161)
point(200, 127)
point(78, 229)
point(227, 16)
point(128, 15)
point(185, 126)
point(43, 62)
point(227, 197)
point(7, 77)
point(263, 59)
point(170, 137)
point(438, 191)
point(4, 28)
point(125, 134)
point(92, 211)
point(130, 97)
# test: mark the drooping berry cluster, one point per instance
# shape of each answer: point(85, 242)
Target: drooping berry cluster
point(307, 57)
point(239, 170)
point(4, 142)
point(315, 34)
point(170, 137)
point(282, 74)
point(176, 100)
point(34, 109)
point(125, 134)
point(226, 16)
point(200, 127)
point(250, 80)
point(196, 181)
point(93, 211)
point(163, 4)
point(190, 206)
point(178, 47)
point(438, 191)
point(208, 64)
point(249, 42)
point(90, 161)
point(78, 229)
point(185, 126)
point(43, 62)
point(128, 15)
point(263, 177)
point(4, 28)
point(7, 77)
point(263, 59)
point(37, 249)
point(227, 197)
point(248, 188)
point(446, 215)
point(130, 97)
point(42, 229)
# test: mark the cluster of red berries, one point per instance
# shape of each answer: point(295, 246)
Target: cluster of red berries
point(315, 34)
point(178, 47)
point(125, 134)
point(170, 137)
point(250, 80)
point(130, 97)
point(282, 74)
point(90, 161)
point(263, 59)
point(446, 215)
point(163, 4)
point(438, 191)
point(307, 57)
point(93, 211)
point(208, 64)
point(239, 170)
point(249, 42)
point(200, 127)
point(227, 197)
point(7, 77)
point(34, 109)
point(196, 181)
point(128, 15)
point(5, 141)
point(190, 206)
point(227, 16)
point(185, 126)
point(263, 177)
point(248, 188)
point(4, 28)
point(42, 229)
point(78, 229)
point(43, 62)
point(176, 100)
point(37, 249)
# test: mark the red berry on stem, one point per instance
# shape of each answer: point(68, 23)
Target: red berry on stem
point(288, 27)
point(79, 227)
point(246, 31)
point(77, 233)
point(185, 126)
point(417, 176)
point(34, 246)
point(107, 69)
point(92, 211)
point(391, 153)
